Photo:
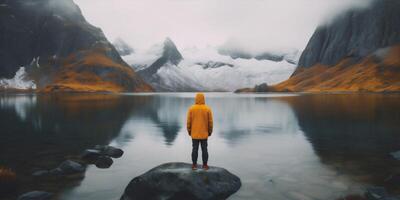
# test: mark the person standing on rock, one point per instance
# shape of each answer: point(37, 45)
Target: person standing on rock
point(200, 127)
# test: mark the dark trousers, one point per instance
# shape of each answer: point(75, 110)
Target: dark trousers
point(195, 150)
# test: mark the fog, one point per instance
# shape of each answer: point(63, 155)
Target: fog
point(254, 25)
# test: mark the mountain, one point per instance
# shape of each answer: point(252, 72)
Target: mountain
point(168, 69)
point(59, 50)
point(170, 56)
point(358, 51)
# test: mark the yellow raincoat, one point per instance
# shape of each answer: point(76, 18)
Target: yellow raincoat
point(199, 119)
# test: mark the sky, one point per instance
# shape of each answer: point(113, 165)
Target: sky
point(254, 25)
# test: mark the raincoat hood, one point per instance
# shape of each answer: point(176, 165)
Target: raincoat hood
point(200, 99)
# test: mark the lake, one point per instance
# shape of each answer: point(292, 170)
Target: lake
point(282, 146)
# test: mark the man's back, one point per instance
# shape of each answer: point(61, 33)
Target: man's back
point(199, 119)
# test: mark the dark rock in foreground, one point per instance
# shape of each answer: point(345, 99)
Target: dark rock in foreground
point(179, 181)
point(109, 151)
point(91, 155)
point(104, 162)
point(67, 168)
point(36, 195)
point(71, 167)
point(101, 155)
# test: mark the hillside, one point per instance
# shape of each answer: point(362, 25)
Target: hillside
point(59, 50)
point(359, 51)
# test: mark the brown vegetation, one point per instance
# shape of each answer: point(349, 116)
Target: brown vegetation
point(93, 71)
point(370, 75)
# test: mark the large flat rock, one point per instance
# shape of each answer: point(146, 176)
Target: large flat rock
point(178, 181)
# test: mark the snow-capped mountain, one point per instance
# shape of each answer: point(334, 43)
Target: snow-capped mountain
point(193, 69)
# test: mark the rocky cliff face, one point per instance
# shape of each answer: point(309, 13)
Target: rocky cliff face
point(166, 65)
point(69, 53)
point(355, 34)
point(170, 55)
point(358, 51)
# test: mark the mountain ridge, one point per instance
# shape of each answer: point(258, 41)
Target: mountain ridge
point(358, 52)
point(71, 54)
point(193, 69)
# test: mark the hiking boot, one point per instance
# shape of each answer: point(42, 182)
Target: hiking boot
point(205, 167)
point(194, 167)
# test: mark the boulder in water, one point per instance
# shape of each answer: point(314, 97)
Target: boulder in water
point(179, 181)
point(110, 151)
point(104, 162)
point(91, 155)
point(70, 167)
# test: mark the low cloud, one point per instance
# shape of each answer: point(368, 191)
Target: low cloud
point(254, 25)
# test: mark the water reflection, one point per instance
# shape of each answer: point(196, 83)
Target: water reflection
point(353, 134)
point(283, 147)
point(21, 104)
point(39, 132)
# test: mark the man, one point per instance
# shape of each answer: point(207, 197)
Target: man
point(200, 127)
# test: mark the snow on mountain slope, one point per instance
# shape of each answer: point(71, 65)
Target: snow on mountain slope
point(20, 81)
point(207, 70)
point(235, 74)
point(141, 59)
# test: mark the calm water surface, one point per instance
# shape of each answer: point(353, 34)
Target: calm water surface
point(294, 147)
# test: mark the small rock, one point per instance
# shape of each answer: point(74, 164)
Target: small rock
point(56, 172)
point(40, 173)
point(110, 151)
point(376, 193)
point(36, 195)
point(104, 162)
point(71, 167)
point(396, 155)
point(178, 181)
point(91, 155)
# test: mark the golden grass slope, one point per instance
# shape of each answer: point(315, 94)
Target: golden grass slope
point(369, 75)
point(93, 71)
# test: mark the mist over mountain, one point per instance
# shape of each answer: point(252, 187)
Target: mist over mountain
point(356, 34)
point(266, 25)
point(357, 51)
point(122, 47)
point(291, 56)
point(206, 69)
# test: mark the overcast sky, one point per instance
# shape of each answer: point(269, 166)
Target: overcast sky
point(253, 24)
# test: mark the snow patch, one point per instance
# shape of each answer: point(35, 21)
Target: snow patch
point(35, 62)
point(20, 81)
point(225, 73)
